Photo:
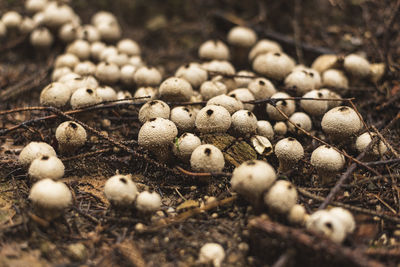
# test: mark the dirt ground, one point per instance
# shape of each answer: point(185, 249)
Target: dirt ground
point(170, 32)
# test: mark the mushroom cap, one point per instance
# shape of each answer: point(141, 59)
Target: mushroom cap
point(345, 217)
point(128, 47)
point(264, 46)
point(297, 214)
point(71, 133)
point(108, 72)
point(264, 128)
point(261, 88)
point(185, 145)
point(89, 33)
point(334, 78)
point(145, 91)
point(280, 128)
point(109, 31)
point(85, 68)
point(55, 94)
point(325, 223)
point(302, 81)
point(46, 167)
point(175, 89)
point(289, 149)
point(136, 61)
point(314, 107)
point(328, 159)
point(363, 141)
point(84, 97)
point(261, 145)
point(193, 73)
point(229, 102)
point(107, 51)
point(68, 32)
point(328, 94)
point(213, 119)
point(154, 109)
point(243, 94)
point(207, 158)
point(56, 14)
point(356, 65)
point(302, 120)
point(34, 6)
point(242, 36)
point(96, 48)
point(79, 48)
point(222, 67)
point(48, 194)
point(157, 132)
point(212, 253)
point(41, 37)
point(376, 71)
point(102, 17)
point(275, 65)
point(252, 178)
point(59, 72)
point(11, 19)
point(281, 197)
point(147, 76)
point(120, 190)
point(34, 150)
point(210, 89)
point(148, 202)
point(106, 93)
point(341, 122)
point(324, 62)
point(214, 49)
point(118, 59)
point(311, 72)
point(288, 107)
point(127, 72)
point(184, 118)
point(241, 81)
point(78, 82)
point(244, 122)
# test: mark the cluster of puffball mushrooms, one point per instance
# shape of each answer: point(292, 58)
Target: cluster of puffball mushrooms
point(97, 61)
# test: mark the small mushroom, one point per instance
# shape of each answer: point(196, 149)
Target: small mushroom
point(280, 128)
point(55, 95)
point(50, 198)
point(79, 48)
point(289, 151)
point(323, 222)
point(261, 88)
point(128, 47)
point(41, 38)
point(106, 93)
point(184, 118)
point(356, 65)
point(297, 215)
point(213, 119)
point(11, 19)
point(275, 65)
point(212, 253)
point(109, 31)
point(341, 123)
point(335, 78)
point(120, 190)
point(244, 78)
point(252, 178)
point(264, 46)
point(193, 73)
point(89, 33)
point(46, 167)
point(301, 81)
point(287, 106)
point(148, 92)
point(70, 136)
point(281, 197)
point(96, 48)
point(230, 103)
point(127, 73)
point(34, 6)
point(85, 68)
point(375, 151)
point(241, 39)
point(68, 32)
point(264, 128)
point(207, 158)
point(185, 145)
point(376, 71)
point(328, 94)
point(314, 107)
point(345, 217)
point(118, 59)
point(221, 67)
point(66, 60)
point(147, 76)
point(214, 49)
point(243, 95)
point(328, 162)
point(325, 62)
point(244, 122)
point(210, 89)
point(34, 150)
point(147, 202)
point(84, 97)
point(301, 120)
point(261, 145)
point(154, 109)
point(108, 73)
point(175, 89)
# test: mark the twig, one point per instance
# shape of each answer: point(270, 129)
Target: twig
point(394, 152)
point(380, 162)
point(285, 258)
point(205, 174)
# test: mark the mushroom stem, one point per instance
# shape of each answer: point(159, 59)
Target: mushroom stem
point(326, 176)
point(286, 165)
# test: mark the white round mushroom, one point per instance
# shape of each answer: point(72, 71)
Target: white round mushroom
point(264, 46)
point(66, 60)
point(156, 134)
point(214, 49)
point(193, 73)
point(301, 81)
point(148, 91)
point(252, 178)
point(34, 150)
point(281, 197)
point(185, 145)
point(11, 19)
point(314, 107)
point(288, 107)
point(148, 202)
point(275, 65)
point(127, 73)
point(288, 151)
point(213, 119)
point(345, 217)
point(120, 190)
point(301, 120)
point(341, 123)
point(154, 109)
point(243, 95)
point(68, 32)
point(244, 122)
point(280, 128)
point(175, 89)
point(85, 68)
point(79, 48)
point(328, 94)
point(184, 118)
point(106, 93)
point(207, 158)
point(41, 38)
point(108, 72)
point(328, 162)
point(109, 31)
point(335, 78)
point(230, 103)
point(33, 6)
point(356, 65)
point(323, 222)
point(242, 36)
point(128, 47)
point(264, 128)
point(325, 62)
point(55, 95)
point(244, 78)
point(46, 167)
point(261, 88)
point(83, 97)
point(70, 136)
point(364, 140)
point(212, 253)
point(210, 89)
point(297, 215)
point(147, 76)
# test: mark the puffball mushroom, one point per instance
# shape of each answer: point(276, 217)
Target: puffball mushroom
point(212, 253)
point(328, 162)
point(27, 25)
point(109, 31)
point(106, 93)
point(96, 48)
point(193, 73)
point(184, 118)
point(128, 47)
point(281, 197)
point(328, 94)
point(148, 202)
point(147, 76)
point(264, 128)
point(108, 73)
point(154, 109)
point(50, 198)
point(264, 46)
point(34, 150)
point(244, 122)
point(261, 88)
point(46, 167)
point(127, 72)
point(252, 178)
point(41, 38)
point(214, 49)
point(286, 106)
point(301, 120)
point(84, 97)
point(356, 65)
point(185, 145)
point(118, 59)
point(68, 32)
point(213, 119)
point(341, 123)
point(222, 67)
point(280, 128)
point(210, 89)
point(375, 151)
point(207, 158)
point(76, 83)
point(11, 19)
point(301, 81)
point(79, 48)
point(243, 95)
point(275, 65)
point(175, 89)
point(66, 60)
point(89, 33)
point(335, 78)
point(85, 68)
point(70, 136)
point(325, 62)
point(120, 190)
point(323, 222)
point(345, 217)
point(297, 215)
point(314, 107)
point(59, 72)
point(261, 145)
point(33, 6)
point(289, 151)
point(229, 102)
point(244, 77)
point(241, 39)
point(376, 71)
point(55, 95)
point(147, 91)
